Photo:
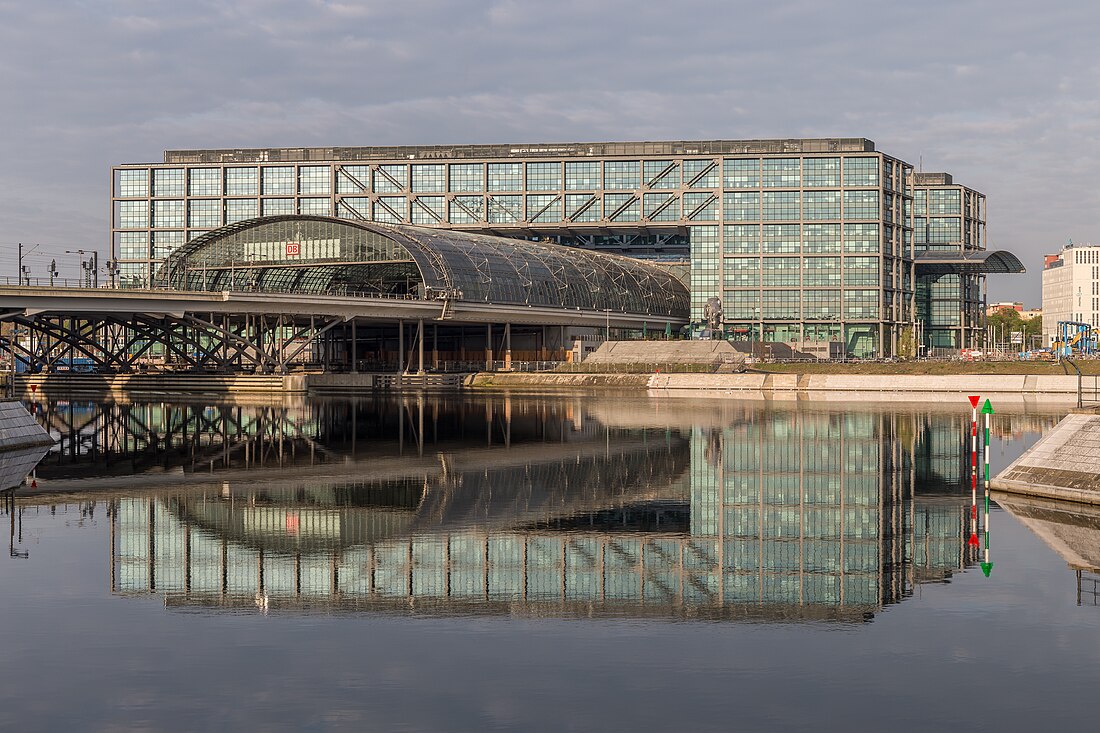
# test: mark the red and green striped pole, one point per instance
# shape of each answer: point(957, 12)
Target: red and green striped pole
point(987, 565)
point(974, 470)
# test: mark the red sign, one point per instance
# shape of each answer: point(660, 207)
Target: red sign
point(293, 249)
point(974, 400)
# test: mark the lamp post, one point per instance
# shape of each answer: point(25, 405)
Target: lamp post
point(607, 324)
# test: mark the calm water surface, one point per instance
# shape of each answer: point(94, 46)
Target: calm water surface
point(546, 563)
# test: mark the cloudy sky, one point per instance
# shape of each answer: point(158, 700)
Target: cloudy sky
point(1002, 94)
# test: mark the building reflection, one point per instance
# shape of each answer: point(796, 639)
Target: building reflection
point(539, 507)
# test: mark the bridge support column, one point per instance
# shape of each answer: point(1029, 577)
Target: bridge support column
point(420, 346)
point(354, 349)
point(488, 347)
point(400, 347)
point(435, 346)
point(507, 347)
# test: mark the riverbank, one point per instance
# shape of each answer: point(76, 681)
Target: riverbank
point(909, 385)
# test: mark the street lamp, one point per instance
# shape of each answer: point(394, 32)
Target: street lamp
point(607, 324)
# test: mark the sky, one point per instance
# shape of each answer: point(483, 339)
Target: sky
point(1004, 95)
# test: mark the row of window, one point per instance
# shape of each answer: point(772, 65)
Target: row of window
point(536, 208)
point(478, 177)
point(849, 304)
point(799, 272)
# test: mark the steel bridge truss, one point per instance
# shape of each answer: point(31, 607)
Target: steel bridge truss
point(121, 343)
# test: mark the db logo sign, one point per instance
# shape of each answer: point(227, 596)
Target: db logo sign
point(293, 249)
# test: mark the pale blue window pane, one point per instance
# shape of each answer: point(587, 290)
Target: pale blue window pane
point(427, 210)
point(741, 206)
point(353, 179)
point(661, 173)
point(239, 210)
point(820, 237)
point(701, 174)
point(741, 238)
point(505, 209)
point(168, 182)
point(277, 180)
point(314, 179)
point(467, 209)
point(467, 177)
point(660, 207)
point(167, 213)
point(820, 172)
point(505, 176)
point(622, 174)
point(165, 243)
point(429, 178)
point(241, 182)
point(700, 206)
point(861, 238)
point(861, 171)
point(354, 207)
point(133, 214)
point(316, 206)
point(543, 176)
point(741, 173)
point(390, 209)
point(204, 182)
point(621, 206)
point(582, 176)
point(821, 204)
point(861, 205)
point(133, 183)
point(133, 246)
point(544, 208)
point(582, 207)
point(779, 205)
point(391, 179)
point(277, 207)
point(781, 172)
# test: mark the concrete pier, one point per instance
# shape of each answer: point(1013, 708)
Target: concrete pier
point(1064, 464)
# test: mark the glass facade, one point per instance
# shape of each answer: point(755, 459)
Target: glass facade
point(696, 202)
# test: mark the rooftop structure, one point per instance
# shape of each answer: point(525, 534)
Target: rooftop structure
point(1071, 288)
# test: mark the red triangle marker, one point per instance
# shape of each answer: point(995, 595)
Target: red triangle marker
point(973, 540)
point(974, 399)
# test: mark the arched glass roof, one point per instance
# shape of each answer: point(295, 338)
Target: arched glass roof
point(313, 254)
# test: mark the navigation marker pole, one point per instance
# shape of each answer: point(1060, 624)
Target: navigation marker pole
point(974, 470)
point(987, 565)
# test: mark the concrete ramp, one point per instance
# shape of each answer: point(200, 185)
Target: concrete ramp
point(715, 355)
point(1064, 464)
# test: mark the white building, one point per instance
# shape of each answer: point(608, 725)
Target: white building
point(1071, 288)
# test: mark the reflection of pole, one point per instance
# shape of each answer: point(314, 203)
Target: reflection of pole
point(987, 565)
point(974, 470)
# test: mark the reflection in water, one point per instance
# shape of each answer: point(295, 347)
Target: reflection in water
point(525, 506)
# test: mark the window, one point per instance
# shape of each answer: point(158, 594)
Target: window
point(861, 171)
point(133, 246)
point(543, 177)
point(204, 182)
point(505, 209)
point(861, 238)
point(277, 207)
point(700, 206)
point(204, 214)
point(429, 178)
point(861, 204)
point(621, 206)
point(133, 214)
point(582, 176)
point(241, 182)
point(467, 209)
point(780, 205)
point(315, 206)
point(860, 304)
point(390, 209)
point(782, 271)
point(741, 272)
point(821, 237)
point(782, 173)
point(821, 204)
point(354, 207)
point(820, 172)
point(427, 209)
point(660, 207)
point(582, 207)
point(543, 207)
point(353, 179)
point(861, 271)
point(945, 202)
point(821, 304)
point(700, 174)
point(239, 210)
point(277, 181)
point(741, 206)
point(133, 183)
point(314, 179)
point(661, 173)
point(621, 174)
point(782, 304)
point(168, 182)
point(742, 238)
point(741, 173)
point(167, 214)
point(821, 272)
point(781, 238)
point(505, 176)
point(467, 177)
point(165, 243)
point(391, 179)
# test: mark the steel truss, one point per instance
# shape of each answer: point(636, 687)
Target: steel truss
point(120, 343)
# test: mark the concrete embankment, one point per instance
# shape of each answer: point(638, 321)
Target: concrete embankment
point(1064, 464)
point(755, 383)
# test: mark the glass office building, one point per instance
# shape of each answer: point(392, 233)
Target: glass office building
point(948, 217)
point(804, 240)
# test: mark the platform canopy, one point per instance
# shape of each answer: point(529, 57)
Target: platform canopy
point(988, 262)
point(323, 255)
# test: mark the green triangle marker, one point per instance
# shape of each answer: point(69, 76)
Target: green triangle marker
point(986, 567)
point(987, 409)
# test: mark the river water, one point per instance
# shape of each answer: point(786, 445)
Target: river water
point(422, 563)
